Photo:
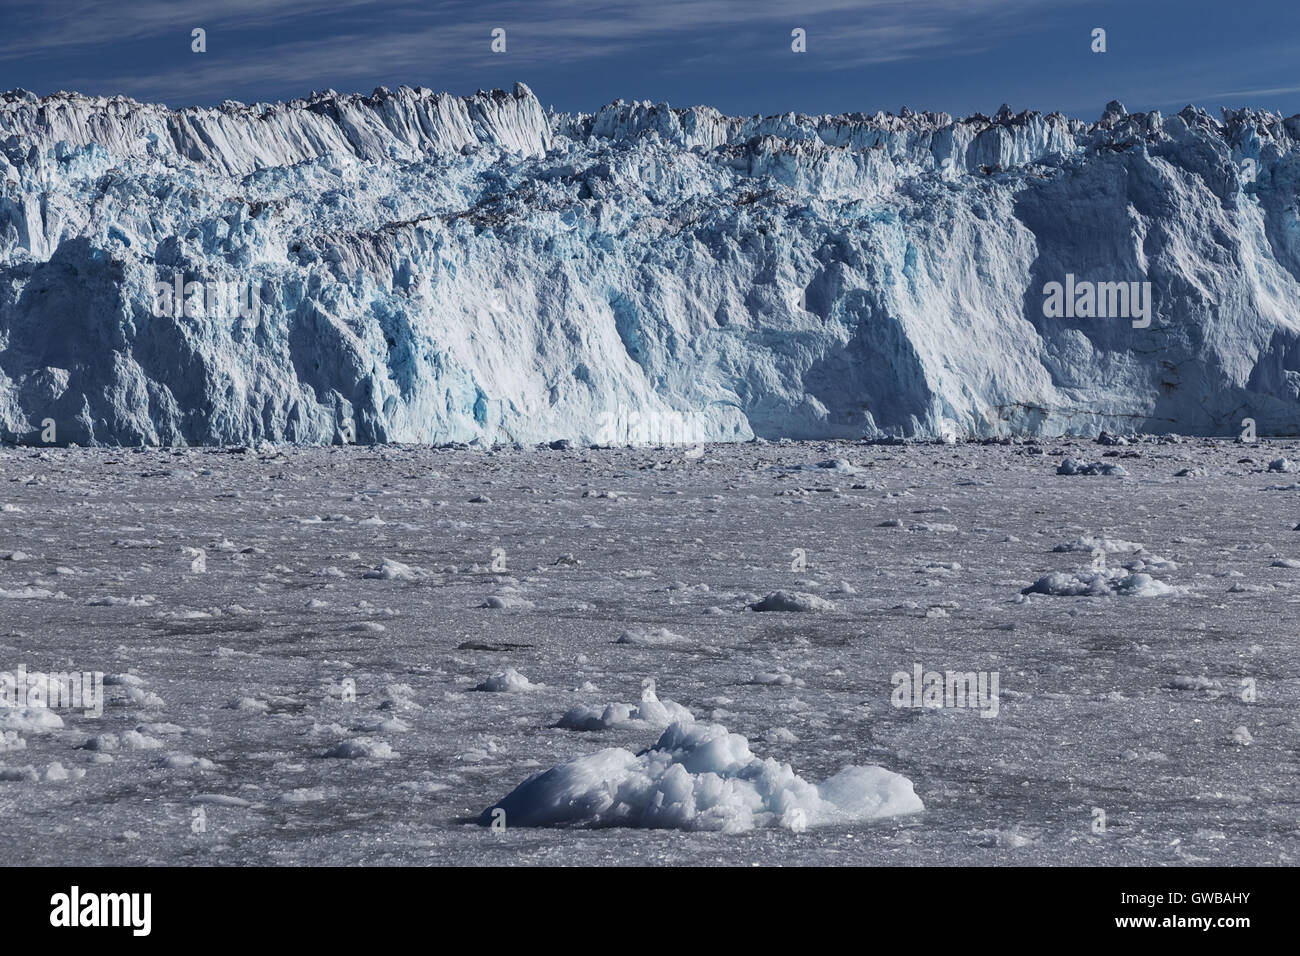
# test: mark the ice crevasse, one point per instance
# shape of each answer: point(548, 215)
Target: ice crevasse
point(434, 268)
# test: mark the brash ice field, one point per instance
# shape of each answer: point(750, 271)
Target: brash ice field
point(359, 654)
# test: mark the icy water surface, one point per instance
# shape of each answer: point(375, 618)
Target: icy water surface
point(293, 640)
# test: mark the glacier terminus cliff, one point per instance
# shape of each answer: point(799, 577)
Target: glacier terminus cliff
point(416, 267)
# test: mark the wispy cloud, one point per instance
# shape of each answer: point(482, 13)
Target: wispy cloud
point(1252, 94)
point(289, 44)
point(942, 54)
point(36, 28)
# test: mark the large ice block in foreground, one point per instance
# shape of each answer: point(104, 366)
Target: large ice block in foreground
point(699, 777)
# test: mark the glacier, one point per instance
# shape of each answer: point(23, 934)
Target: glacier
point(439, 269)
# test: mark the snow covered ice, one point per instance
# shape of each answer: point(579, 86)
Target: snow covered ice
point(675, 270)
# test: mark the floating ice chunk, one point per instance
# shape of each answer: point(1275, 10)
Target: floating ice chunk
point(650, 712)
point(123, 680)
point(683, 586)
point(140, 600)
point(1201, 682)
point(383, 725)
point(1099, 584)
point(1151, 562)
point(30, 594)
point(399, 697)
point(597, 718)
point(1139, 584)
point(143, 698)
point(699, 777)
point(391, 570)
point(1089, 544)
point(1071, 466)
point(363, 748)
point(134, 740)
point(57, 773)
point(186, 762)
point(220, 800)
point(248, 704)
point(775, 679)
point(303, 795)
point(510, 681)
point(1010, 839)
point(29, 720)
point(781, 735)
point(650, 637)
point(840, 465)
point(162, 729)
point(507, 601)
point(792, 601)
point(940, 567)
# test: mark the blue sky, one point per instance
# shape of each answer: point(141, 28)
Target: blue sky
point(953, 55)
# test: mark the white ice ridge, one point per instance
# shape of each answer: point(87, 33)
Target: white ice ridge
point(651, 711)
point(699, 777)
point(417, 267)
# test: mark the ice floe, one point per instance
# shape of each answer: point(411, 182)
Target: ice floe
point(700, 777)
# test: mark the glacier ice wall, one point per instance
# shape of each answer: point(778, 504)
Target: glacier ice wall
point(432, 268)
